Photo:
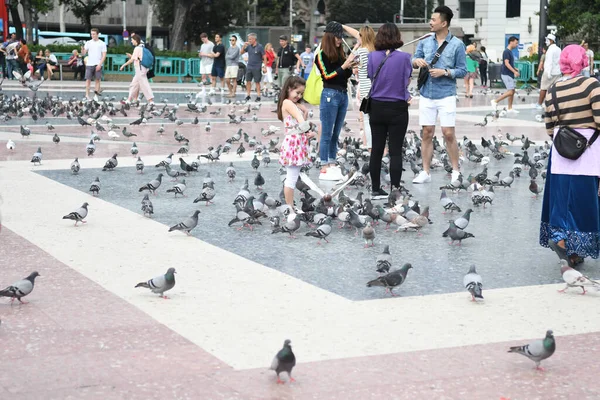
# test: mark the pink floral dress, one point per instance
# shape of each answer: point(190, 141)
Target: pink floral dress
point(294, 149)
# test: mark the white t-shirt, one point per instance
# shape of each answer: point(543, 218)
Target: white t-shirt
point(94, 49)
point(590, 54)
point(53, 59)
point(207, 48)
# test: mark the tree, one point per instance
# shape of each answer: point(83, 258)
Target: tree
point(272, 12)
point(380, 11)
point(189, 18)
point(575, 18)
point(86, 9)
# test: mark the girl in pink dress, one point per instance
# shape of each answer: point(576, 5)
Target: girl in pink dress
point(294, 150)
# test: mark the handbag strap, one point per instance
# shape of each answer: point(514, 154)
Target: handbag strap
point(438, 53)
point(557, 110)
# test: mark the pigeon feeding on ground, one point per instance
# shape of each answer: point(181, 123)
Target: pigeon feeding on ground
point(111, 163)
point(153, 185)
point(322, 231)
point(147, 207)
point(461, 222)
point(384, 261)
point(37, 157)
point(368, 234)
point(472, 281)
point(20, 288)
point(56, 138)
point(207, 194)
point(78, 215)
point(187, 225)
point(161, 283)
point(75, 167)
point(95, 187)
point(574, 278)
point(538, 350)
point(391, 280)
point(284, 361)
point(178, 188)
point(457, 234)
point(448, 203)
point(139, 165)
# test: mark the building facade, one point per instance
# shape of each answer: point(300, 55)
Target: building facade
point(492, 22)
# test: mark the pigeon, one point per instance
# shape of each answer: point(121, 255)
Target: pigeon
point(90, 148)
point(173, 173)
point(241, 150)
point(139, 165)
point(384, 261)
point(461, 222)
point(284, 361)
point(111, 163)
point(56, 138)
point(82, 121)
point(153, 184)
point(538, 350)
point(147, 207)
point(20, 288)
point(259, 181)
point(161, 283)
point(322, 231)
point(166, 161)
point(75, 167)
point(574, 278)
point(448, 203)
point(207, 194)
point(112, 134)
point(127, 134)
point(10, 145)
point(187, 225)
point(95, 187)
point(289, 227)
point(368, 234)
point(49, 126)
point(178, 188)
point(78, 215)
point(472, 281)
point(457, 234)
point(230, 171)
point(37, 157)
point(255, 163)
point(134, 149)
point(391, 280)
point(533, 188)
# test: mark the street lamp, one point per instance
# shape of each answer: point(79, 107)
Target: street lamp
point(36, 18)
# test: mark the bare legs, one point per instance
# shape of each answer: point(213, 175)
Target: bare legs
point(510, 94)
point(427, 146)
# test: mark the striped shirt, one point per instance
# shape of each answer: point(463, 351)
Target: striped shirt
point(578, 102)
point(364, 83)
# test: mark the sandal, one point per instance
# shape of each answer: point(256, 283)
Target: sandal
point(576, 259)
point(560, 252)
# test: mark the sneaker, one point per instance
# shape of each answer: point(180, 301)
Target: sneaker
point(379, 194)
point(211, 92)
point(512, 111)
point(257, 99)
point(455, 175)
point(222, 91)
point(331, 174)
point(538, 106)
point(423, 177)
point(247, 98)
point(494, 104)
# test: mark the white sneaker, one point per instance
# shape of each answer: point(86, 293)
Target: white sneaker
point(494, 104)
point(423, 177)
point(222, 91)
point(455, 175)
point(538, 106)
point(211, 92)
point(513, 111)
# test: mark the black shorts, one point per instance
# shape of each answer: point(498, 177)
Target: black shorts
point(217, 71)
point(254, 74)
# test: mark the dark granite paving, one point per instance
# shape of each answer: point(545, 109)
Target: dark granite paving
point(505, 248)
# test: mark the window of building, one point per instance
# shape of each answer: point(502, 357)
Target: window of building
point(466, 8)
point(513, 8)
point(138, 1)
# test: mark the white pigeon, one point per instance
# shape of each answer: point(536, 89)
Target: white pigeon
point(113, 135)
point(574, 278)
point(10, 145)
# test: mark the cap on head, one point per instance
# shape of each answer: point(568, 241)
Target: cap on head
point(551, 37)
point(283, 37)
point(335, 28)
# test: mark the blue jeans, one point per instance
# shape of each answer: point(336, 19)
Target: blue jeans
point(334, 104)
point(12, 65)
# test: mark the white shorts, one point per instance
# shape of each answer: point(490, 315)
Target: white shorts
point(205, 68)
point(430, 109)
point(268, 77)
point(231, 72)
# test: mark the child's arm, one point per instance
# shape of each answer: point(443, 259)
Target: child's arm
point(289, 108)
point(304, 110)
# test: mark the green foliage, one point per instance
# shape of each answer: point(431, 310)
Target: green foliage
point(356, 11)
point(273, 12)
point(579, 19)
point(56, 48)
point(85, 9)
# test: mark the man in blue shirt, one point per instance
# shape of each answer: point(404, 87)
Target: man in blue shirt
point(256, 58)
point(438, 94)
point(508, 73)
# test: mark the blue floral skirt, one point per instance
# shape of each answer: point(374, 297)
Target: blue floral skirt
point(571, 212)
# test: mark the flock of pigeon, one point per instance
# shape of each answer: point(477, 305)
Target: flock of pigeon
point(316, 208)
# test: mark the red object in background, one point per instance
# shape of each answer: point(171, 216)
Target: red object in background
point(4, 18)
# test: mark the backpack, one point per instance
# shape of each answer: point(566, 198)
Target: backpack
point(147, 58)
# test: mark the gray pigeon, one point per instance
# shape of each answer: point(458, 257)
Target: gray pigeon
point(20, 288)
point(111, 163)
point(322, 231)
point(384, 261)
point(178, 188)
point(153, 184)
point(368, 234)
point(391, 280)
point(259, 181)
point(230, 171)
point(537, 350)
point(161, 283)
point(187, 225)
point(37, 157)
point(139, 165)
point(289, 227)
point(457, 234)
point(78, 215)
point(472, 281)
point(207, 194)
point(461, 222)
point(147, 207)
point(284, 361)
point(95, 187)
point(75, 167)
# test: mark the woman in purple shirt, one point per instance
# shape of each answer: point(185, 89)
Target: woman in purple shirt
point(389, 107)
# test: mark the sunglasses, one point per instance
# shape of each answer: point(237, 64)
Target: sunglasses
point(232, 40)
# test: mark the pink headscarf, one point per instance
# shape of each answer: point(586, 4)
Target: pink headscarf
point(573, 59)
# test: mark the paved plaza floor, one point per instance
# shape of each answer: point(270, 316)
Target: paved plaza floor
point(87, 333)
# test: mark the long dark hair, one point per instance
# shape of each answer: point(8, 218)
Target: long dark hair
point(388, 37)
point(331, 51)
point(291, 83)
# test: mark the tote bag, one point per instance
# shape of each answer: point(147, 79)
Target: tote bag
point(314, 84)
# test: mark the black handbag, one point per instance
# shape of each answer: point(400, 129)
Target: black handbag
point(424, 71)
point(365, 104)
point(568, 142)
